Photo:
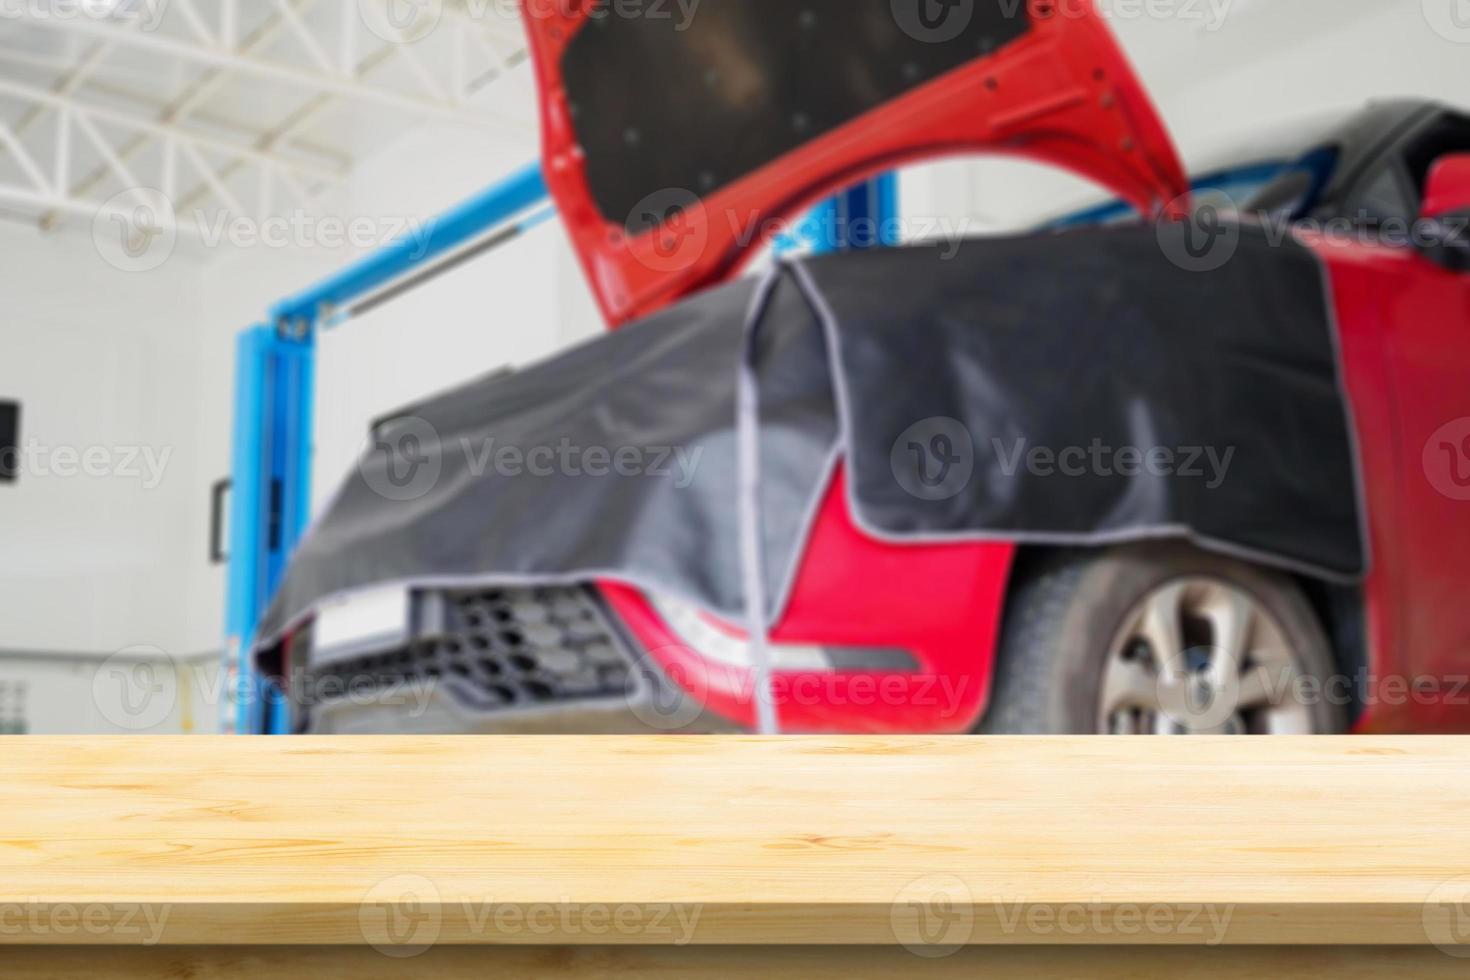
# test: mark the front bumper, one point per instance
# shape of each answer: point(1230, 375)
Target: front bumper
point(482, 661)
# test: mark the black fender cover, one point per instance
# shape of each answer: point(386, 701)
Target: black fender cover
point(1082, 388)
point(1097, 386)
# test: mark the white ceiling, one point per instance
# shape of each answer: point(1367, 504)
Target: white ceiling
point(252, 105)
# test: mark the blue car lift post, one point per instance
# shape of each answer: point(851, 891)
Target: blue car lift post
point(275, 371)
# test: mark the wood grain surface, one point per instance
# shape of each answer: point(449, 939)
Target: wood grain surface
point(920, 842)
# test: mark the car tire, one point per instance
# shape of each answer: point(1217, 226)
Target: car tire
point(1087, 633)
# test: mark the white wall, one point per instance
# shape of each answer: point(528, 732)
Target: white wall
point(94, 558)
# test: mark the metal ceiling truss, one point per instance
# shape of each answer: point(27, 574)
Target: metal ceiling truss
point(49, 181)
point(342, 56)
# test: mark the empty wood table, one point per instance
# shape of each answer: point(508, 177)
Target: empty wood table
point(733, 857)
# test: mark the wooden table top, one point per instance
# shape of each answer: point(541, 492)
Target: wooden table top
point(676, 840)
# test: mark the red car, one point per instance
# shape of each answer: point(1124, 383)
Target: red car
point(1158, 637)
point(1141, 638)
point(1012, 639)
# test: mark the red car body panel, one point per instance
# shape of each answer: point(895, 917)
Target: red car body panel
point(1065, 94)
point(1403, 322)
point(1355, 296)
point(942, 603)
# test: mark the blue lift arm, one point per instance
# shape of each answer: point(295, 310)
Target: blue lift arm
point(270, 499)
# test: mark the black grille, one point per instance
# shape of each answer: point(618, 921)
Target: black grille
point(490, 649)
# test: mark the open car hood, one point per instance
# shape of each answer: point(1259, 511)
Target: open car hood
point(677, 139)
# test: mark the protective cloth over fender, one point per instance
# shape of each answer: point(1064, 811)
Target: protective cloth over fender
point(615, 459)
point(1104, 392)
point(1076, 388)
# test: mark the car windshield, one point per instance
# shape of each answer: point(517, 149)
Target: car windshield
point(1348, 172)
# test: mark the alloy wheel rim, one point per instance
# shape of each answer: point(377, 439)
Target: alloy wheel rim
point(1200, 656)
